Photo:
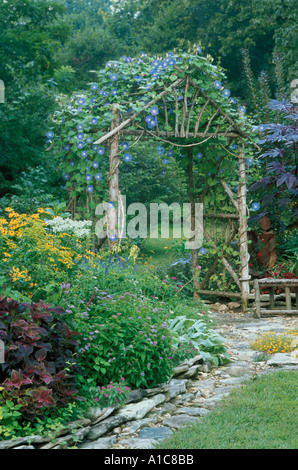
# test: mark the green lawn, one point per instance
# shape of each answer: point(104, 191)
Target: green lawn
point(261, 415)
point(157, 251)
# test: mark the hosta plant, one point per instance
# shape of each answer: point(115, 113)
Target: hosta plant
point(208, 342)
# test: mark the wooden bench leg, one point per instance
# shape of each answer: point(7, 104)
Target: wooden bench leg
point(288, 298)
point(258, 299)
point(271, 298)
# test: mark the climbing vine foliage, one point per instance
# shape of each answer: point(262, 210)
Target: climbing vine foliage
point(164, 96)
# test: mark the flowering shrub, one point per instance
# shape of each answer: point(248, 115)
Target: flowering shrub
point(35, 261)
point(123, 336)
point(284, 270)
point(79, 228)
point(39, 366)
point(183, 351)
point(110, 395)
point(272, 343)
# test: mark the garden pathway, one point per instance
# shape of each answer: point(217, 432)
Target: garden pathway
point(152, 415)
point(209, 387)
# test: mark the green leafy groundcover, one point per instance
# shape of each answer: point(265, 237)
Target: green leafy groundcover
point(260, 415)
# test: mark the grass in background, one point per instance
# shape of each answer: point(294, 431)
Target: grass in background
point(260, 415)
point(157, 251)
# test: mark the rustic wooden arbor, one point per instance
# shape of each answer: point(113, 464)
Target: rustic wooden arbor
point(191, 119)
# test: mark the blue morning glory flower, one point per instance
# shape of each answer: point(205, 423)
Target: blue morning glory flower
point(153, 72)
point(203, 251)
point(103, 93)
point(94, 86)
point(170, 153)
point(95, 164)
point(89, 188)
point(233, 147)
point(67, 148)
point(72, 163)
point(93, 121)
point(80, 136)
point(84, 154)
point(113, 238)
point(165, 63)
point(160, 150)
point(148, 118)
point(217, 84)
point(199, 49)
point(89, 140)
point(50, 134)
point(81, 101)
point(125, 145)
point(165, 161)
point(94, 147)
point(199, 156)
point(110, 205)
point(156, 63)
point(226, 92)
point(232, 100)
point(261, 127)
point(80, 127)
point(66, 176)
point(172, 61)
point(127, 157)
point(249, 161)
point(101, 151)
point(98, 176)
point(88, 177)
point(242, 109)
point(163, 172)
point(154, 111)
point(80, 145)
point(113, 77)
point(93, 100)
point(114, 91)
point(138, 78)
point(255, 206)
point(221, 171)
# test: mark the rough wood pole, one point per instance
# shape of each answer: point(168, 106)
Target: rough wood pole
point(113, 182)
point(257, 298)
point(288, 298)
point(191, 198)
point(243, 248)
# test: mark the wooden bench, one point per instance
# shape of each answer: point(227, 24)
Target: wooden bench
point(271, 284)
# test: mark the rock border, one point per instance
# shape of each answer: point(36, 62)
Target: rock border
point(99, 422)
